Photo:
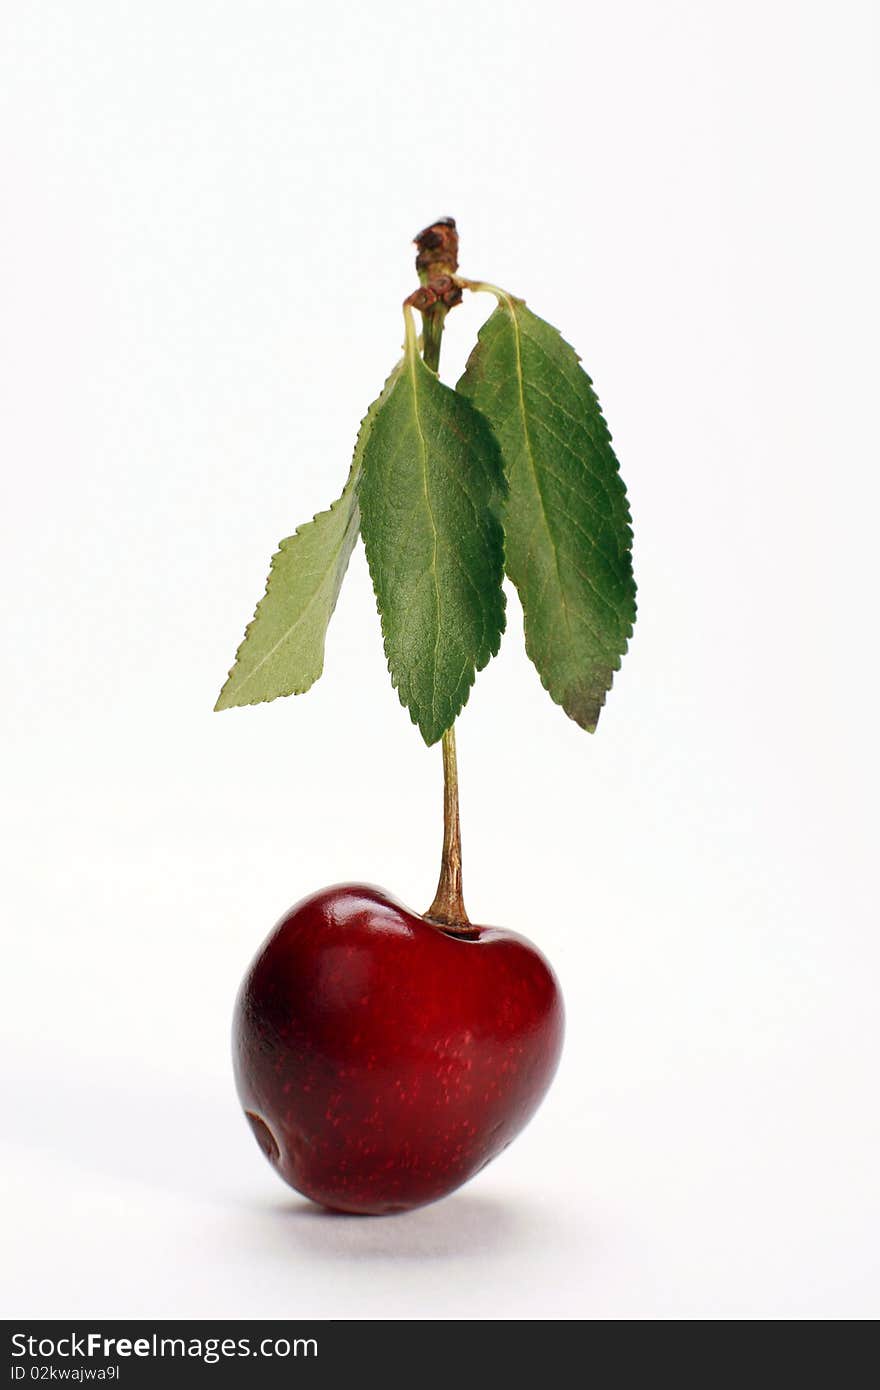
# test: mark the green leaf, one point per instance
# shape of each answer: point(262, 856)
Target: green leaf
point(432, 486)
point(283, 648)
point(567, 527)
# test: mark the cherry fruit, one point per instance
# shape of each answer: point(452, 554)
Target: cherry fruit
point(382, 1058)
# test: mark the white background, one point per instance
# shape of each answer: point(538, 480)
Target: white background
point(205, 241)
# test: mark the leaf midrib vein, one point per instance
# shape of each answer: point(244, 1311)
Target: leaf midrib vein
point(531, 458)
point(413, 370)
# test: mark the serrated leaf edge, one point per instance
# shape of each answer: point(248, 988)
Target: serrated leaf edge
point(507, 301)
point(466, 683)
point(352, 482)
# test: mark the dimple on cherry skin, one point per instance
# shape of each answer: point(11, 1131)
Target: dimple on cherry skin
point(381, 1059)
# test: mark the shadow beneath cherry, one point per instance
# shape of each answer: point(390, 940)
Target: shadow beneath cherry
point(465, 1225)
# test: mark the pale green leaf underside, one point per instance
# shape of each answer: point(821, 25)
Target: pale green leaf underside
point(566, 520)
point(283, 648)
point(431, 489)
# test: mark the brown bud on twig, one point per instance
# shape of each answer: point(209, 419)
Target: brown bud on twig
point(441, 289)
point(438, 250)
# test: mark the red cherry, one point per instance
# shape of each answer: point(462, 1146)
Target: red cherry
point(381, 1059)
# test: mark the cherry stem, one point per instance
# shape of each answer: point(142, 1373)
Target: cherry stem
point(448, 906)
point(432, 334)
